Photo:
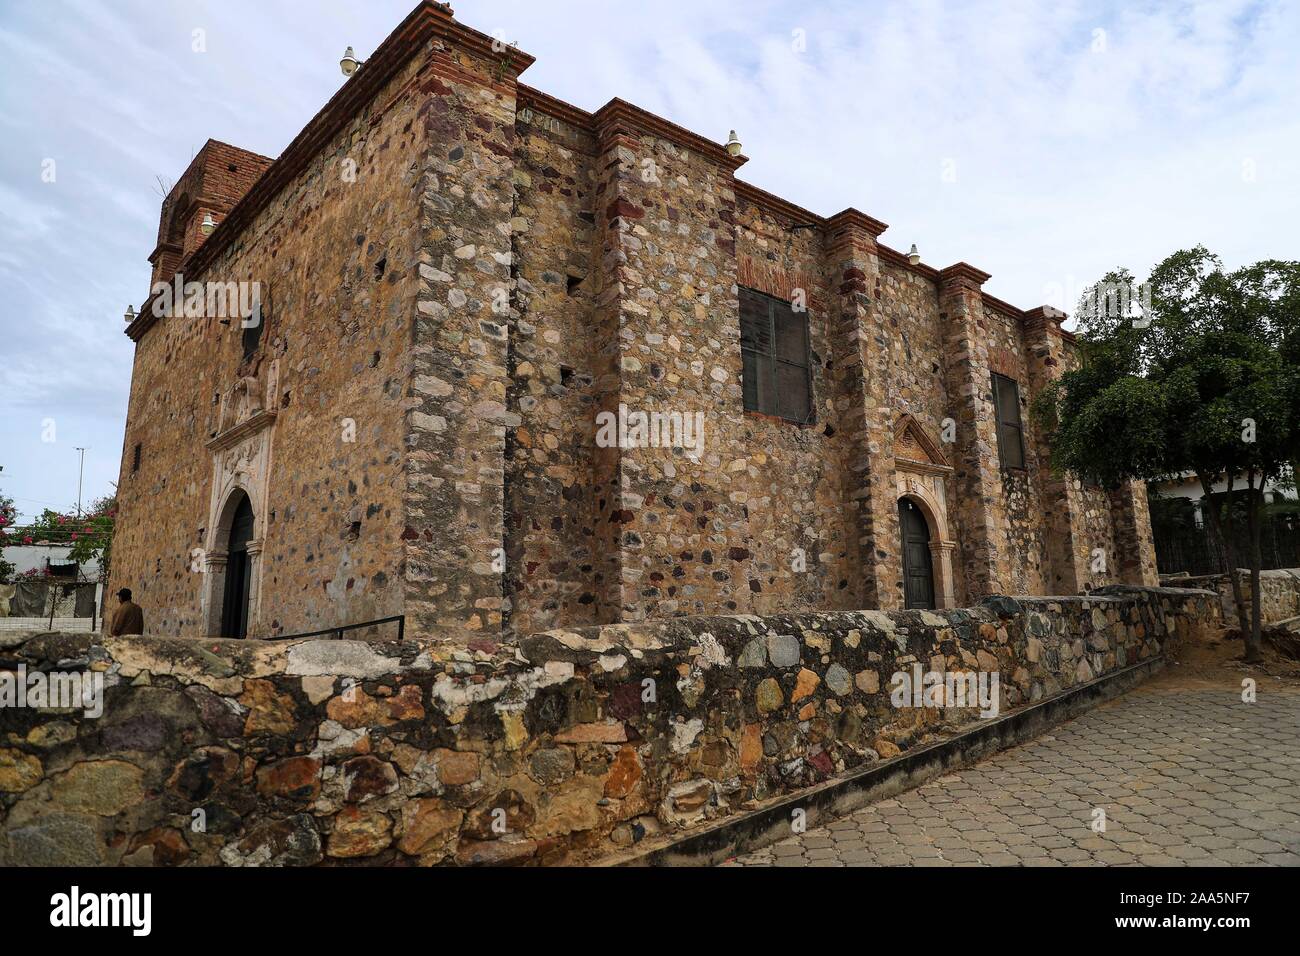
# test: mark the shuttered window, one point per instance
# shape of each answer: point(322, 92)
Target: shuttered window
point(1006, 404)
point(777, 379)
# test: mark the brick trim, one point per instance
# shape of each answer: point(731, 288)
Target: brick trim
point(895, 258)
point(772, 203)
point(853, 220)
point(963, 274)
point(528, 97)
point(621, 118)
point(771, 279)
point(908, 423)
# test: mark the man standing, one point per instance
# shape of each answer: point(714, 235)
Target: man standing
point(128, 619)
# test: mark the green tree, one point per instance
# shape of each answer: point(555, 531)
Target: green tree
point(88, 537)
point(1199, 372)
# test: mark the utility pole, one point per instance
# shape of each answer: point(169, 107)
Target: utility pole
point(81, 467)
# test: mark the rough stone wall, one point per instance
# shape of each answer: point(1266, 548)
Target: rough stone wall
point(1022, 489)
point(865, 417)
point(337, 263)
point(1279, 593)
point(917, 383)
point(455, 459)
point(793, 483)
point(1091, 537)
point(919, 379)
point(1134, 552)
point(551, 534)
point(979, 498)
point(564, 748)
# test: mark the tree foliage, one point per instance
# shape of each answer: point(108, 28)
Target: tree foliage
point(88, 537)
point(1201, 377)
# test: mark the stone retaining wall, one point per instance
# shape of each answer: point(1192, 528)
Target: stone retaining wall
point(1279, 592)
point(560, 749)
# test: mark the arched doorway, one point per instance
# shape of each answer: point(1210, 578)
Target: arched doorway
point(918, 567)
point(239, 571)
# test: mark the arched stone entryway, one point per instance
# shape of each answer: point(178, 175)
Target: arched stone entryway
point(922, 473)
point(231, 566)
point(914, 494)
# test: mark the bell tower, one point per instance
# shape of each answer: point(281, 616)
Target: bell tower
point(217, 178)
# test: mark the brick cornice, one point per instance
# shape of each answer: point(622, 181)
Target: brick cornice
point(1003, 306)
point(852, 230)
point(770, 202)
point(428, 20)
point(1046, 318)
point(163, 247)
point(528, 97)
point(621, 118)
point(895, 258)
point(963, 275)
point(851, 220)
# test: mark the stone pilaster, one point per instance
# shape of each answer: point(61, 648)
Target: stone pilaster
point(862, 361)
point(214, 571)
point(457, 414)
point(1136, 561)
point(614, 226)
point(978, 501)
point(1063, 509)
point(944, 585)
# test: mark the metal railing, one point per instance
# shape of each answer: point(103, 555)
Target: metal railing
point(1194, 550)
point(338, 632)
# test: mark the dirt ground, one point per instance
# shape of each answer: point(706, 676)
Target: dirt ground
point(1216, 662)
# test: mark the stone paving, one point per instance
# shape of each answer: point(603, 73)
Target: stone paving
point(1186, 778)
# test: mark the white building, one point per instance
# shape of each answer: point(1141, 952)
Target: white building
point(36, 557)
point(1187, 485)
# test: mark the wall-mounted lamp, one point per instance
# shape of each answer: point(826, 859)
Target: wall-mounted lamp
point(733, 144)
point(913, 256)
point(208, 224)
point(130, 314)
point(349, 63)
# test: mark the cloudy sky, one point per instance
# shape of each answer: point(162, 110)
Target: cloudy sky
point(1042, 142)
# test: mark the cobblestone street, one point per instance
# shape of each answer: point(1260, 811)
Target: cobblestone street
point(1186, 778)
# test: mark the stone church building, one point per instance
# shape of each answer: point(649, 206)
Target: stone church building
point(514, 366)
